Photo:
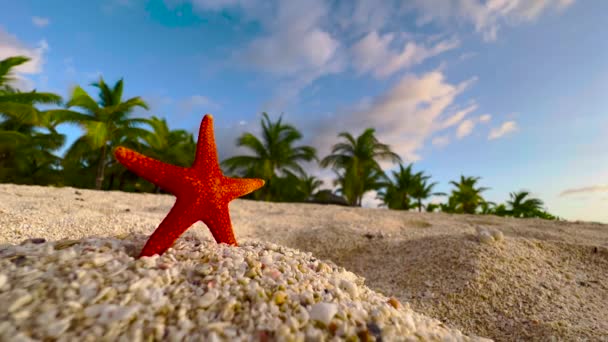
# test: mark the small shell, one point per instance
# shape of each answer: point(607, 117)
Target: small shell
point(63, 244)
point(350, 288)
point(22, 300)
point(208, 299)
point(485, 237)
point(3, 280)
point(497, 235)
point(323, 312)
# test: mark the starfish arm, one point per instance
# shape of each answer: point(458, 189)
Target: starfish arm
point(206, 150)
point(220, 226)
point(237, 187)
point(179, 219)
point(167, 176)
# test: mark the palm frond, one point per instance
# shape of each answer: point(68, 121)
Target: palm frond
point(31, 97)
point(6, 65)
point(81, 99)
point(23, 113)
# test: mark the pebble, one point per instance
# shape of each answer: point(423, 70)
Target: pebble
point(197, 290)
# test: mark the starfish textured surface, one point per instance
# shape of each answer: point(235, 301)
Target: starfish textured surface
point(202, 191)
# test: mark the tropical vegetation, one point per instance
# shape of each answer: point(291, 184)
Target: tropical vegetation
point(29, 141)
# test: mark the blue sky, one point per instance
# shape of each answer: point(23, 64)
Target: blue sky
point(513, 91)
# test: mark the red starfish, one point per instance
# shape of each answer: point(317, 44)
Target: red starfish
point(202, 191)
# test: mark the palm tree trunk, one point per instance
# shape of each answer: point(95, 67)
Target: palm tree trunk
point(100, 168)
point(111, 181)
point(420, 205)
point(121, 181)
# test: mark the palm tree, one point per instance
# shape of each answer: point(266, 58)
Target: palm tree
point(309, 186)
point(20, 105)
point(273, 155)
point(500, 210)
point(352, 188)
point(356, 163)
point(521, 205)
point(432, 207)
point(175, 147)
point(103, 121)
point(466, 197)
point(488, 207)
point(450, 207)
point(398, 193)
point(29, 159)
point(422, 190)
point(17, 108)
point(26, 154)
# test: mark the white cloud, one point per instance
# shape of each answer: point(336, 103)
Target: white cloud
point(505, 128)
point(10, 46)
point(373, 54)
point(465, 128)
point(404, 116)
point(467, 55)
point(458, 116)
point(294, 47)
point(302, 41)
point(196, 103)
point(485, 118)
point(486, 16)
point(585, 190)
point(441, 141)
point(40, 21)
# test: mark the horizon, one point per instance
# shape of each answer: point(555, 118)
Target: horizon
point(511, 93)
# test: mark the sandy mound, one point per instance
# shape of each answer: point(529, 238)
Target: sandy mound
point(544, 279)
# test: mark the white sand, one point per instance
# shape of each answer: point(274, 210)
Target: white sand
point(546, 279)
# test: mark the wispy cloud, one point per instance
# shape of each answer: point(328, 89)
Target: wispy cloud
point(373, 54)
point(465, 128)
point(506, 128)
point(585, 190)
point(441, 141)
point(485, 118)
point(40, 21)
point(404, 116)
point(303, 41)
point(458, 116)
point(467, 55)
point(11, 46)
point(195, 105)
point(486, 16)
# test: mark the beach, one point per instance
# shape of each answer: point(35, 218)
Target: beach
point(498, 278)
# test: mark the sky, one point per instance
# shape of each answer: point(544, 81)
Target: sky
point(512, 91)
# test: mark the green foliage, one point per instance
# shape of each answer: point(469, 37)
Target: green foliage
point(103, 122)
point(274, 158)
point(355, 162)
point(466, 197)
point(26, 153)
point(407, 190)
point(6, 66)
point(521, 205)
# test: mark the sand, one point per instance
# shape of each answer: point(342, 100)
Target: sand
point(544, 280)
